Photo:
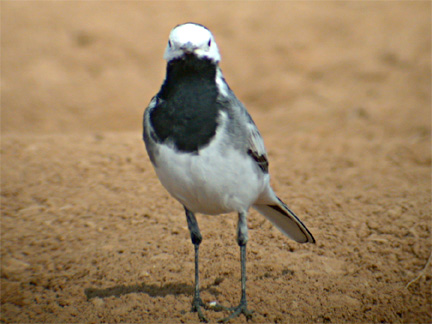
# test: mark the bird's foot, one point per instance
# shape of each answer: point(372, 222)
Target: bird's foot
point(236, 311)
point(196, 307)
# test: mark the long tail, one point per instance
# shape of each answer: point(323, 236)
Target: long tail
point(286, 221)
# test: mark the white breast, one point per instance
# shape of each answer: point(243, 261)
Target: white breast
point(219, 179)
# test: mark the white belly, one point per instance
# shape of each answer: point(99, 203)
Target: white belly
point(218, 180)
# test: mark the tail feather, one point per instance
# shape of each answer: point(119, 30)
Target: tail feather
point(286, 221)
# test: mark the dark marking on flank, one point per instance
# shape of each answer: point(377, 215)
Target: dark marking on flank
point(261, 160)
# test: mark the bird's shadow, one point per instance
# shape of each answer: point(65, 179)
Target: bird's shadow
point(151, 290)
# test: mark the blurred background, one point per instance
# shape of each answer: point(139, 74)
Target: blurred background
point(86, 66)
point(341, 92)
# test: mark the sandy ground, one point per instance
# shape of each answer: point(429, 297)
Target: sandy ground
point(341, 93)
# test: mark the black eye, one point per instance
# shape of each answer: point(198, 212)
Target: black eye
point(169, 43)
point(209, 42)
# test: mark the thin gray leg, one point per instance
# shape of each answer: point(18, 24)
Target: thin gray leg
point(196, 240)
point(242, 239)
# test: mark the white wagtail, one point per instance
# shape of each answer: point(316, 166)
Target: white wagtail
point(207, 151)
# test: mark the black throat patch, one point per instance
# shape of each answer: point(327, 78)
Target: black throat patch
point(187, 113)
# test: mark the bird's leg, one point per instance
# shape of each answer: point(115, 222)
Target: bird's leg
point(242, 239)
point(196, 240)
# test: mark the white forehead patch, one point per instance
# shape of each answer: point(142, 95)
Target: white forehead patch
point(191, 38)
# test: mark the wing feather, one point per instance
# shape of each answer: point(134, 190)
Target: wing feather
point(242, 120)
point(256, 147)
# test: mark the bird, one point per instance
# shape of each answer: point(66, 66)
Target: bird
point(207, 151)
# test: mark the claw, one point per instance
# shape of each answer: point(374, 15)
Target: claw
point(196, 307)
point(240, 309)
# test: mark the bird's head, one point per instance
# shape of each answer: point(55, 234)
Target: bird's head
point(191, 38)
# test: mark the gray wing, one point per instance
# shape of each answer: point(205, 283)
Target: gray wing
point(241, 120)
point(256, 147)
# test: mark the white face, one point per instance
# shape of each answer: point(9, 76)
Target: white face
point(191, 39)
